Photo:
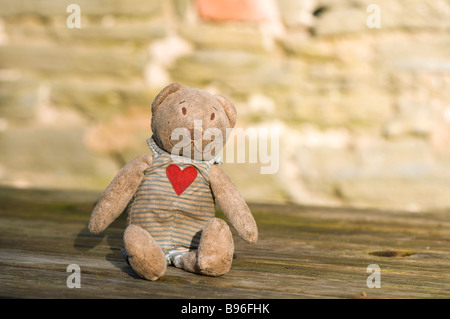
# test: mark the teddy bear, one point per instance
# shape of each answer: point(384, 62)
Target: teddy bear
point(170, 197)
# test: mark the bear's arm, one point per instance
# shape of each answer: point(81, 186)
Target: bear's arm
point(233, 205)
point(118, 194)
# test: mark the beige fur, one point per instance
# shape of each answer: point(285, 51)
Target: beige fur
point(178, 106)
point(200, 105)
point(233, 205)
point(118, 194)
point(144, 255)
point(215, 253)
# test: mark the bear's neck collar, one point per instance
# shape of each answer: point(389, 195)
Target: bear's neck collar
point(159, 151)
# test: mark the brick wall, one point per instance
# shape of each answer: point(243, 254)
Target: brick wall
point(363, 112)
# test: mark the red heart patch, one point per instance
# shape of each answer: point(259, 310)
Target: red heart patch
point(180, 179)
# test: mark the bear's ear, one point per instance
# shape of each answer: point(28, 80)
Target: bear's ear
point(229, 108)
point(171, 88)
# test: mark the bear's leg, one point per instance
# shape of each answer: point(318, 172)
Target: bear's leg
point(144, 254)
point(215, 252)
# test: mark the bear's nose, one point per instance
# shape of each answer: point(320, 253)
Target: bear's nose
point(195, 134)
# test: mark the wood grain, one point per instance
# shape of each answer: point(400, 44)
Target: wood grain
point(303, 252)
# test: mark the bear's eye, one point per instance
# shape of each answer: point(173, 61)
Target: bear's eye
point(213, 116)
point(183, 110)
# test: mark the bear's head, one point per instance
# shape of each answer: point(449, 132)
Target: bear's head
point(191, 122)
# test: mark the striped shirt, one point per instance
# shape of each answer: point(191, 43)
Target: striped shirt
point(174, 221)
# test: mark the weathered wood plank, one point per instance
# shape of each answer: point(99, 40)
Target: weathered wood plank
point(303, 252)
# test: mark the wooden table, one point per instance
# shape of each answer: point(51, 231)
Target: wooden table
point(303, 252)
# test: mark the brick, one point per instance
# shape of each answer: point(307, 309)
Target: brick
point(229, 36)
point(227, 65)
point(18, 99)
point(233, 10)
point(88, 7)
point(297, 13)
point(67, 59)
point(98, 35)
point(99, 100)
point(51, 157)
point(343, 17)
